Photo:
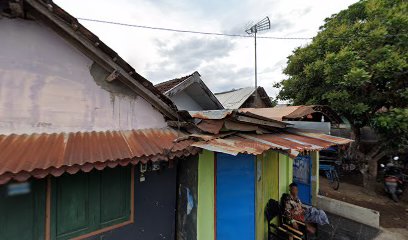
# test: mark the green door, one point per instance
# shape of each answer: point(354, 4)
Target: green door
point(22, 216)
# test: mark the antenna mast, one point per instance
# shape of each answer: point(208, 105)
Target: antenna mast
point(262, 25)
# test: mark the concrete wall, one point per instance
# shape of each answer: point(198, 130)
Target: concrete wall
point(184, 102)
point(46, 85)
point(359, 214)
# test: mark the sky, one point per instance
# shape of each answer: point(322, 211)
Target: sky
point(223, 62)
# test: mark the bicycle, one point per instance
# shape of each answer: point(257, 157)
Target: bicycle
point(331, 175)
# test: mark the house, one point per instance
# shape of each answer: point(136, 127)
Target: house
point(247, 159)
point(190, 93)
point(248, 97)
point(85, 151)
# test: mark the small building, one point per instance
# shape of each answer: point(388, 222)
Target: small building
point(248, 97)
point(190, 93)
point(85, 151)
point(247, 160)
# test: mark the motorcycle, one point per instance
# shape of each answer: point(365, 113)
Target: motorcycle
point(394, 183)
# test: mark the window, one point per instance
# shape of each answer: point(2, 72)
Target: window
point(89, 202)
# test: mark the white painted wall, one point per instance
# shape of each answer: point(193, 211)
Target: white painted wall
point(46, 86)
point(184, 102)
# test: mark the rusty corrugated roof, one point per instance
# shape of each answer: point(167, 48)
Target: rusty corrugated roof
point(38, 155)
point(293, 112)
point(277, 113)
point(290, 142)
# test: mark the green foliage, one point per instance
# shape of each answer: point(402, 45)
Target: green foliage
point(357, 64)
point(393, 125)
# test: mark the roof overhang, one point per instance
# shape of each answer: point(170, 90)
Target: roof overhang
point(40, 155)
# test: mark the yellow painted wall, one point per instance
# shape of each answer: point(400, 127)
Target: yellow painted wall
point(315, 176)
point(205, 207)
point(285, 173)
point(267, 187)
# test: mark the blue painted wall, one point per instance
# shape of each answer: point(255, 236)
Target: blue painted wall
point(235, 199)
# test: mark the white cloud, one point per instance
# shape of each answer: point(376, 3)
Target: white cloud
point(223, 62)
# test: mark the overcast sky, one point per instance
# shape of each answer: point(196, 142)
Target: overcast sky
point(223, 62)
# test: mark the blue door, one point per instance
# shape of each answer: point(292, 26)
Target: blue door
point(235, 197)
point(302, 176)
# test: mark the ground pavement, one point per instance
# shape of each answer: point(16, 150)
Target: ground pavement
point(345, 229)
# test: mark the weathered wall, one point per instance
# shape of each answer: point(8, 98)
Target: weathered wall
point(187, 199)
point(155, 208)
point(184, 102)
point(46, 85)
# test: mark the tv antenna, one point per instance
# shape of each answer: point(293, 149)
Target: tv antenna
point(262, 25)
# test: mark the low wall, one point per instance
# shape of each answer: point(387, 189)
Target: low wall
point(356, 213)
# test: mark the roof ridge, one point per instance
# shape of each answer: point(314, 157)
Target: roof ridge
point(232, 90)
point(169, 84)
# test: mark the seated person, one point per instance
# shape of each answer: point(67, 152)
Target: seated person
point(294, 210)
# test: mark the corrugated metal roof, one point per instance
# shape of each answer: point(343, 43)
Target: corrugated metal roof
point(277, 113)
point(211, 126)
point(233, 145)
point(235, 98)
point(293, 112)
point(23, 156)
point(292, 143)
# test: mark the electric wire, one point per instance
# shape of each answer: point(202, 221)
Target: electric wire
point(218, 33)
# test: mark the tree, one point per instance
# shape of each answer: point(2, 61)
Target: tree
point(357, 64)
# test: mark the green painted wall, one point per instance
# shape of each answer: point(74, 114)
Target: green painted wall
point(205, 208)
point(285, 173)
point(267, 187)
point(315, 176)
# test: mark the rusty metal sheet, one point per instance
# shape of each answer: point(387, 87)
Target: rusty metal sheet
point(211, 126)
point(322, 137)
point(233, 145)
point(261, 113)
point(237, 126)
point(291, 143)
point(211, 114)
point(277, 113)
point(38, 155)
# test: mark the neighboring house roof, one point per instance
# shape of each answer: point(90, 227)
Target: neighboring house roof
point(193, 86)
point(235, 98)
point(88, 43)
point(38, 155)
point(296, 112)
point(163, 87)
